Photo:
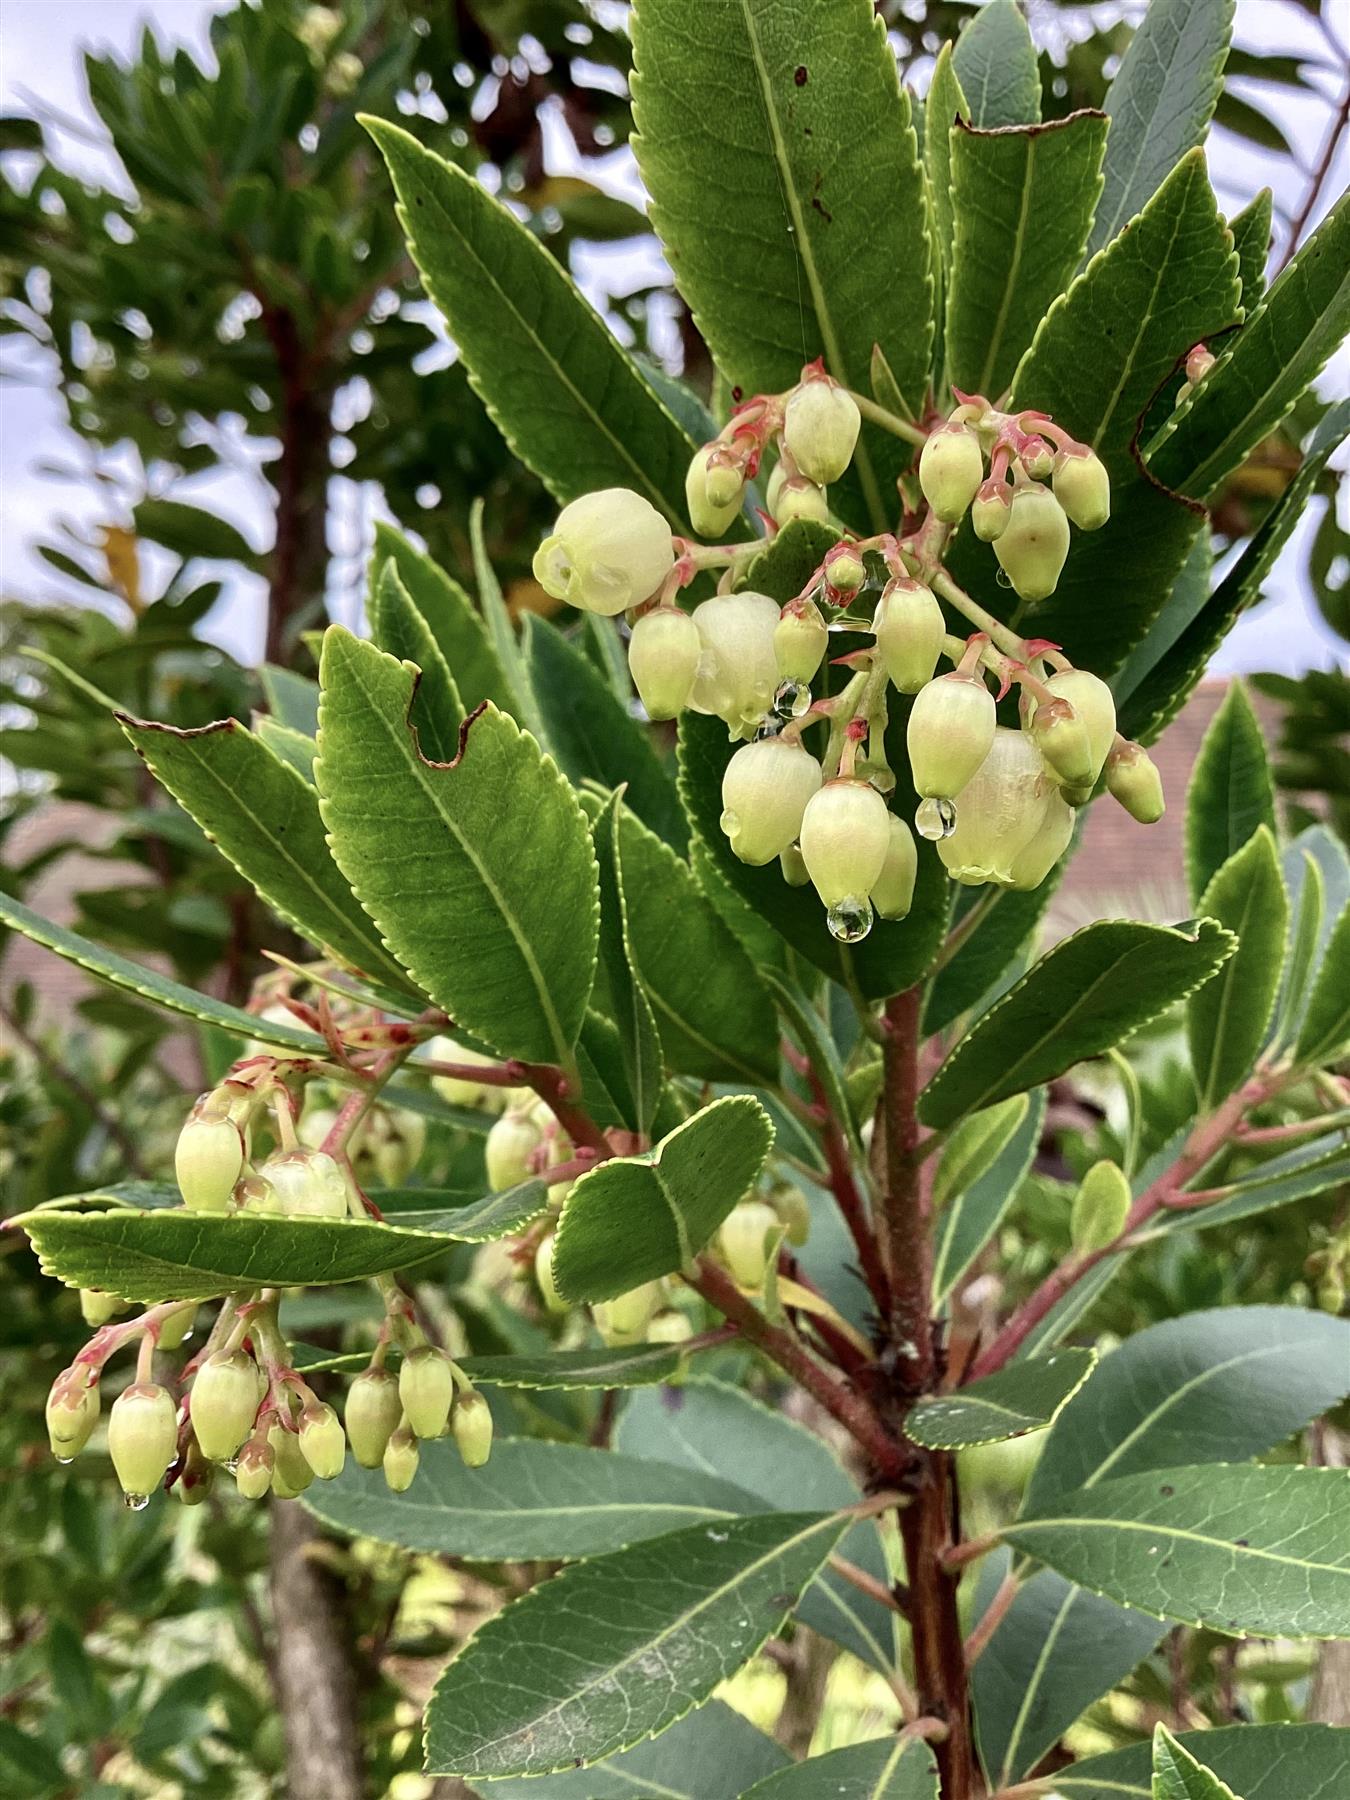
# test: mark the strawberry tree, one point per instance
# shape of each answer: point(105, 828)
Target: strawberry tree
point(748, 1042)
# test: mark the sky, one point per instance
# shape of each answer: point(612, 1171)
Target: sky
point(41, 42)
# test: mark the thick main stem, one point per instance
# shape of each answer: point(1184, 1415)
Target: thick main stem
point(300, 552)
point(315, 1679)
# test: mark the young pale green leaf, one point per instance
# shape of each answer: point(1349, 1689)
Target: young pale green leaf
point(175, 1254)
point(995, 62)
point(788, 124)
point(1260, 1551)
point(945, 105)
point(621, 1646)
point(1260, 1762)
point(291, 746)
point(639, 1039)
point(1160, 102)
point(1251, 240)
point(479, 873)
point(1025, 1397)
point(265, 820)
point(593, 737)
point(1023, 201)
point(1231, 790)
point(1226, 1021)
point(715, 1018)
point(634, 1219)
point(1177, 1775)
point(974, 1146)
point(398, 628)
point(889, 1768)
point(474, 1222)
point(566, 396)
point(291, 698)
point(1211, 1387)
point(454, 620)
point(1264, 368)
point(969, 1219)
point(1325, 1031)
point(149, 984)
point(1087, 995)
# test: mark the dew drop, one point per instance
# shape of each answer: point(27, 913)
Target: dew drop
point(791, 699)
point(850, 920)
point(769, 727)
point(730, 822)
point(135, 1502)
point(935, 819)
point(231, 1465)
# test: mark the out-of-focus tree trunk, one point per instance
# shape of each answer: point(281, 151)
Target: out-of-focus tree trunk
point(315, 1678)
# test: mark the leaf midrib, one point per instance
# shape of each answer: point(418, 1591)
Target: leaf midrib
point(1018, 247)
point(1182, 1535)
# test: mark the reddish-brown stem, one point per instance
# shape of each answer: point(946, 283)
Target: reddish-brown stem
point(484, 1074)
point(555, 1089)
point(850, 1202)
point(908, 1251)
point(992, 1617)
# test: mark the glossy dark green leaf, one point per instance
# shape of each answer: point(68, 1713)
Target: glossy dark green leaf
point(1326, 1024)
point(639, 1039)
point(1226, 1022)
point(1251, 239)
point(995, 62)
point(970, 1218)
point(889, 1768)
point(944, 105)
point(1231, 791)
point(1260, 1762)
point(474, 1222)
point(1177, 1775)
point(1025, 1397)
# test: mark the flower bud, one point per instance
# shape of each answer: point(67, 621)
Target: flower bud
point(765, 790)
point(208, 1160)
point(458, 1090)
point(72, 1413)
point(223, 1403)
point(624, 1320)
point(795, 1214)
point(1037, 458)
point(1083, 487)
point(745, 1236)
point(998, 812)
point(322, 1443)
point(97, 1307)
point(304, 1184)
point(893, 894)
point(793, 865)
point(845, 838)
point(671, 1327)
point(738, 670)
point(1132, 778)
point(820, 428)
point(951, 468)
point(1100, 1208)
point(845, 571)
point(990, 510)
point(663, 658)
point(426, 1387)
point(909, 629)
point(343, 74)
point(1061, 735)
point(317, 28)
point(471, 1427)
point(950, 732)
point(794, 497)
point(253, 1471)
point(372, 1413)
point(401, 1458)
point(510, 1145)
point(196, 1476)
point(1095, 705)
point(800, 640)
point(712, 493)
point(291, 1473)
point(608, 551)
point(142, 1437)
point(1033, 545)
point(1047, 844)
point(174, 1329)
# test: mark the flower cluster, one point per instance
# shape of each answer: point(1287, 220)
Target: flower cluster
point(998, 799)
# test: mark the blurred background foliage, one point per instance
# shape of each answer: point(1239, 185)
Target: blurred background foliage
point(243, 299)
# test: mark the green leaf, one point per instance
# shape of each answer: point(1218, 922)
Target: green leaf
point(191, 531)
point(1231, 791)
point(1087, 995)
point(1023, 202)
point(592, 737)
point(121, 972)
point(291, 746)
point(452, 618)
point(1264, 368)
point(264, 818)
point(634, 1219)
point(566, 396)
point(1005, 926)
point(889, 1768)
point(715, 1018)
point(493, 845)
point(176, 1254)
point(815, 1041)
point(1178, 1776)
point(292, 698)
point(501, 632)
point(969, 1221)
point(1260, 1762)
point(1251, 240)
point(603, 1367)
point(788, 123)
point(974, 1146)
point(621, 1646)
point(1226, 1022)
point(639, 1039)
point(1024, 1398)
point(477, 1222)
point(398, 628)
point(995, 62)
point(1326, 1024)
point(943, 107)
point(1160, 102)
point(1217, 1386)
point(1260, 1551)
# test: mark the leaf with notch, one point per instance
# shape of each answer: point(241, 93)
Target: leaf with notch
point(995, 62)
point(639, 1039)
point(1177, 1775)
point(454, 620)
point(1231, 791)
point(399, 629)
point(1226, 1021)
point(1023, 1398)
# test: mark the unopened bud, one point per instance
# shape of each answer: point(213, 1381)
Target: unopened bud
point(765, 790)
point(745, 1236)
point(738, 670)
point(791, 1207)
point(712, 492)
point(426, 1386)
point(196, 1476)
point(608, 551)
point(624, 1319)
point(1037, 458)
point(142, 1437)
point(543, 1274)
point(950, 732)
point(951, 468)
point(401, 1458)
point(1033, 545)
point(72, 1413)
point(845, 837)
point(321, 1441)
point(1083, 488)
point(793, 865)
point(1095, 705)
point(800, 640)
point(457, 1090)
point(845, 571)
point(1199, 363)
point(990, 510)
point(1132, 778)
point(317, 28)
point(303, 1184)
point(909, 629)
point(1047, 844)
point(223, 1403)
point(253, 1470)
point(663, 658)
point(509, 1148)
point(893, 894)
point(1100, 1208)
point(797, 498)
point(670, 1328)
point(291, 1473)
point(97, 1307)
point(372, 1413)
point(174, 1329)
point(998, 812)
point(471, 1427)
point(343, 74)
point(1061, 736)
point(208, 1160)
point(820, 428)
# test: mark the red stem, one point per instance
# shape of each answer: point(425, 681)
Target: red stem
point(850, 1201)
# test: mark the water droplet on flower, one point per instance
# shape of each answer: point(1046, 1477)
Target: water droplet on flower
point(730, 822)
point(768, 727)
point(935, 819)
point(850, 920)
point(791, 699)
point(231, 1465)
point(136, 1502)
